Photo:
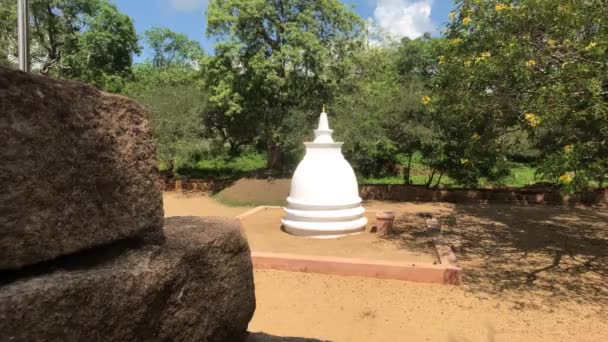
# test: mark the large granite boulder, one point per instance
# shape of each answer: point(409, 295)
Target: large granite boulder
point(195, 283)
point(77, 169)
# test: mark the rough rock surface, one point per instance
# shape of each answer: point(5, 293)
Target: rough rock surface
point(193, 284)
point(77, 169)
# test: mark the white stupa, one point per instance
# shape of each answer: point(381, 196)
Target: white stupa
point(324, 199)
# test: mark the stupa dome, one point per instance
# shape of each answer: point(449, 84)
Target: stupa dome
point(324, 198)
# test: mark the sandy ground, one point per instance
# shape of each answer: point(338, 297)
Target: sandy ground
point(195, 204)
point(364, 309)
point(534, 273)
point(264, 235)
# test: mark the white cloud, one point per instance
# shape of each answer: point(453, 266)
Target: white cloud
point(404, 18)
point(187, 5)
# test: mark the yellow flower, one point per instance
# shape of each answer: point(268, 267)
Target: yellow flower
point(464, 161)
point(530, 63)
point(467, 63)
point(456, 41)
point(502, 7)
point(590, 46)
point(568, 149)
point(533, 119)
point(475, 136)
point(425, 100)
point(551, 42)
point(483, 56)
point(566, 178)
point(441, 60)
point(466, 21)
point(452, 15)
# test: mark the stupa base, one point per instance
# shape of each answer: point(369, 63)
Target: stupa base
point(324, 230)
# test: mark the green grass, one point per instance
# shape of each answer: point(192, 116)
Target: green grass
point(521, 175)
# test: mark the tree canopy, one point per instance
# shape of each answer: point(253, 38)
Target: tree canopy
point(534, 66)
point(275, 60)
point(88, 40)
point(170, 48)
point(506, 81)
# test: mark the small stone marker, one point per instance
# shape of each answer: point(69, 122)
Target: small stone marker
point(433, 225)
point(385, 221)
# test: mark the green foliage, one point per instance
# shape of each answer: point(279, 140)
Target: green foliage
point(275, 63)
point(175, 97)
point(364, 103)
point(8, 32)
point(147, 77)
point(379, 112)
point(225, 167)
point(172, 88)
point(177, 124)
point(533, 66)
point(87, 40)
point(171, 48)
point(509, 81)
point(520, 175)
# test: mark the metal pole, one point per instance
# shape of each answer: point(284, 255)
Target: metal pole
point(24, 49)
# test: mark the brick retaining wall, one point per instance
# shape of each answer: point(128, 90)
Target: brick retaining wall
point(419, 193)
point(416, 193)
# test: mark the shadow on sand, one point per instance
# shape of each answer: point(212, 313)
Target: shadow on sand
point(549, 253)
point(557, 253)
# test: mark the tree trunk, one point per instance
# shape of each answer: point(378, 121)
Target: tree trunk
point(407, 171)
point(438, 180)
point(428, 184)
point(275, 158)
point(233, 151)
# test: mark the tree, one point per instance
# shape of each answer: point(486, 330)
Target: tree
point(171, 87)
point(8, 32)
point(87, 40)
point(276, 63)
point(170, 48)
point(526, 65)
point(367, 98)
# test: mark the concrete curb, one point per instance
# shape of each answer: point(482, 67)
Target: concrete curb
point(382, 269)
point(255, 211)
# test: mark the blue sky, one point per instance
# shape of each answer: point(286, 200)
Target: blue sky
point(398, 17)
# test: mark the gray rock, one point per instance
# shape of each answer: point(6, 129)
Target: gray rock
point(193, 284)
point(77, 170)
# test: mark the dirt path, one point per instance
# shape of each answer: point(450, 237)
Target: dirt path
point(535, 273)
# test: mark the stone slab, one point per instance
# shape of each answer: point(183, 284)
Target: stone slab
point(193, 284)
point(78, 169)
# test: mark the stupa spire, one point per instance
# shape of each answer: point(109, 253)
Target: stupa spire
point(323, 133)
